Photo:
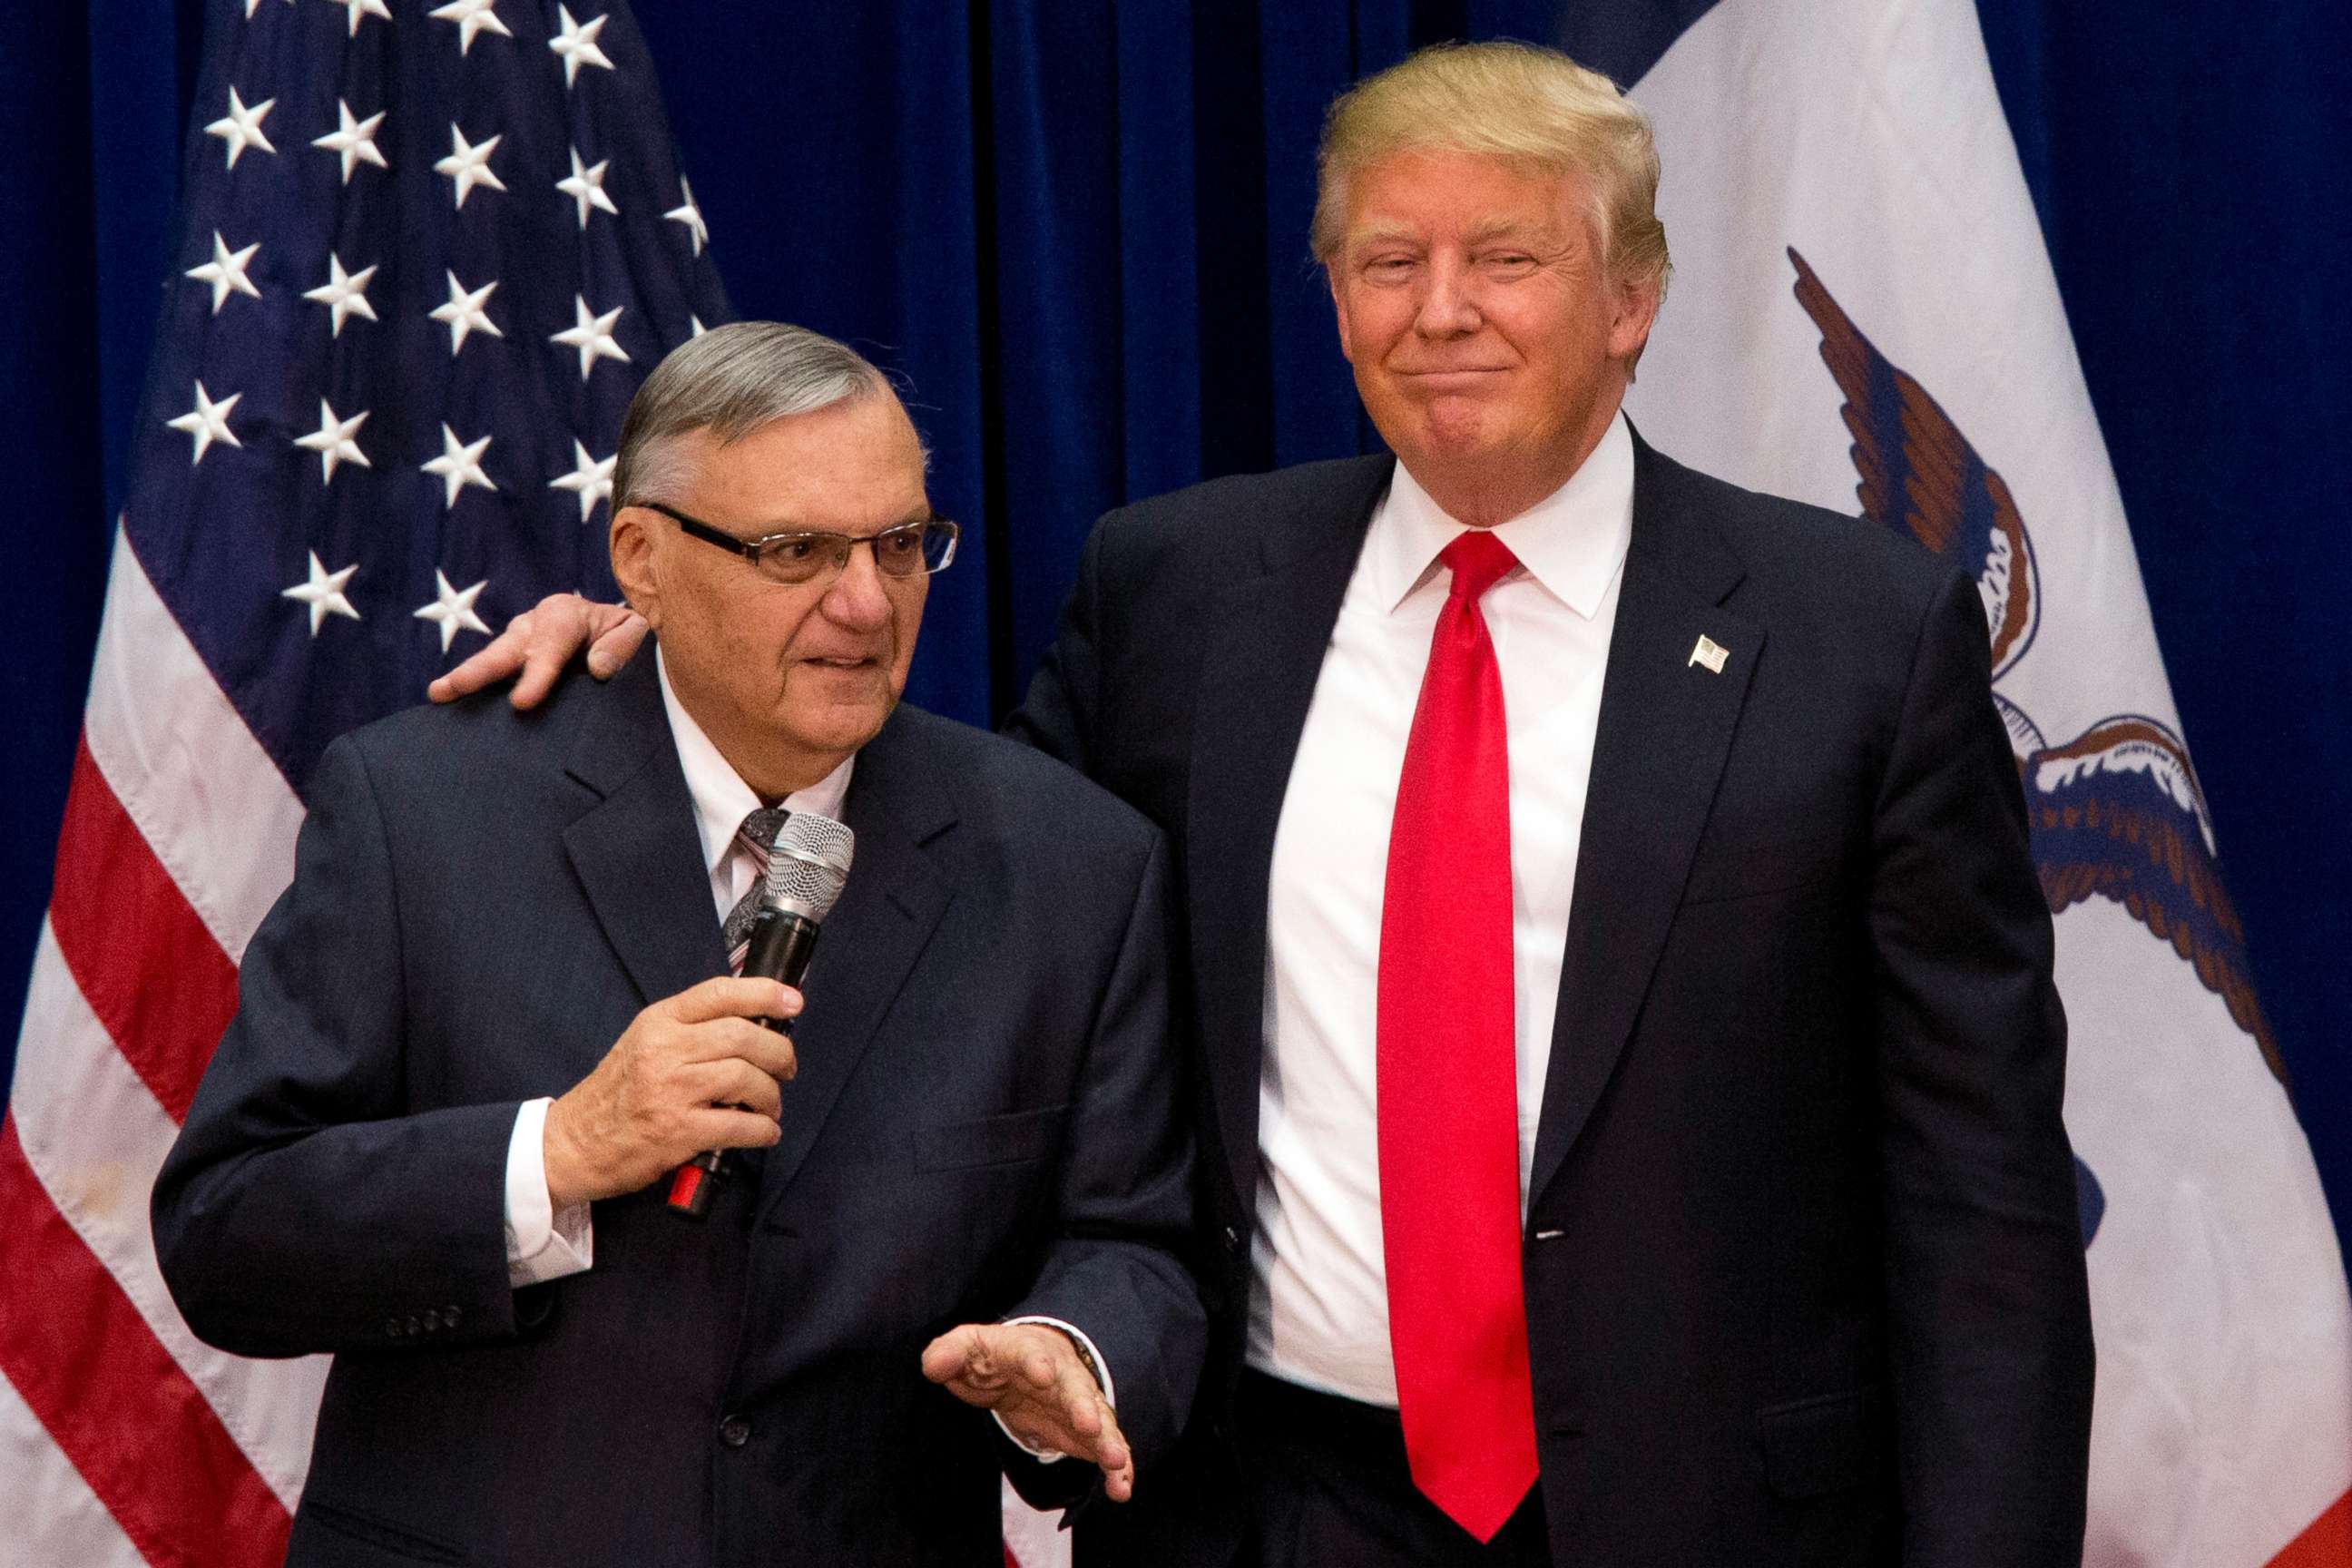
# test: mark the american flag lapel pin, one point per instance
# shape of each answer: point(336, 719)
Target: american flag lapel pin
point(1710, 653)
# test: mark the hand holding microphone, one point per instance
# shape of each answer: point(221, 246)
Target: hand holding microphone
point(806, 870)
point(700, 1071)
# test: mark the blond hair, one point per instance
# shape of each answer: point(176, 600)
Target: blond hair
point(1510, 101)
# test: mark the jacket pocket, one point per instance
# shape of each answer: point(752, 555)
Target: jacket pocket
point(1827, 1443)
point(1748, 867)
point(1009, 1140)
point(328, 1532)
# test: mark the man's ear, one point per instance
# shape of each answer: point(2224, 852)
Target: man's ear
point(1636, 312)
point(634, 565)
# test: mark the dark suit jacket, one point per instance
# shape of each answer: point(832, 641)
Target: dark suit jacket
point(984, 1124)
point(1804, 1282)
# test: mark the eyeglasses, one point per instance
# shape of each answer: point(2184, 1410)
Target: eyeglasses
point(909, 550)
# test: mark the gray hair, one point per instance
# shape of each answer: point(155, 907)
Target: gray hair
point(730, 381)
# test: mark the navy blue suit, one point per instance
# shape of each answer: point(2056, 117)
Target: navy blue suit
point(984, 1124)
point(1804, 1283)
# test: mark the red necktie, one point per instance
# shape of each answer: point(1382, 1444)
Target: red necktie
point(1449, 1126)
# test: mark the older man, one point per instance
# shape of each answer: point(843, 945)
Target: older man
point(493, 1013)
point(1630, 1068)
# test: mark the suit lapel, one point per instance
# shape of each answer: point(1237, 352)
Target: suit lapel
point(1266, 638)
point(896, 893)
point(635, 852)
point(1664, 731)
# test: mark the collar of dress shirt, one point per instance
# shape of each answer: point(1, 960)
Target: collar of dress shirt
point(721, 799)
point(1572, 541)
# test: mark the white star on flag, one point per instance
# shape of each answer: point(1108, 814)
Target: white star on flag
point(343, 293)
point(452, 610)
point(586, 188)
point(590, 480)
point(687, 213)
point(241, 127)
point(332, 441)
point(359, 8)
point(312, 492)
point(207, 422)
point(468, 164)
point(354, 142)
point(577, 44)
point(459, 465)
point(591, 335)
point(465, 315)
point(472, 17)
point(225, 272)
point(323, 593)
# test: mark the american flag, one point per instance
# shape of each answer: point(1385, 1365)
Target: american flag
point(426, 253)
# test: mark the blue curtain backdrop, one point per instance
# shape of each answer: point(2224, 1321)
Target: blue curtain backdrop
point(1079, 231)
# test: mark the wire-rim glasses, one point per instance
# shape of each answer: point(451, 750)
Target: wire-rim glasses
point(909, 550)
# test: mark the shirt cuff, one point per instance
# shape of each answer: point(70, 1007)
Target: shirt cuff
point(542, 1244)
point(1094, 1363)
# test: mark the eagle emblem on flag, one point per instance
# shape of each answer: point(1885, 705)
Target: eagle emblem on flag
point(2117, 811)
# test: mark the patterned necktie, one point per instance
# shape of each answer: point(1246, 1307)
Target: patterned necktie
point(1448, 1100)
point(758, 837)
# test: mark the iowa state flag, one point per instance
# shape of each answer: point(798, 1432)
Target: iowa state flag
point(1863, 315)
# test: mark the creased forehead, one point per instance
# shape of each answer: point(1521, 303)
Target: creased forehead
point(1539, 219)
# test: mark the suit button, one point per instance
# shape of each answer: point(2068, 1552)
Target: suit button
point(734, 1431)
point(391, 1327)
point(432, 1320)
point(416, 1325)
point(449, 1316)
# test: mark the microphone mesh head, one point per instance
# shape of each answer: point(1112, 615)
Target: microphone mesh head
point(808, 865)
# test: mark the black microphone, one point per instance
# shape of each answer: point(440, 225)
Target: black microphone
point(805, 872)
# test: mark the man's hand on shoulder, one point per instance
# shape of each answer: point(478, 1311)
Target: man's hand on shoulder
point(539, 642)
point(1035, 1382)
point(691, 1072)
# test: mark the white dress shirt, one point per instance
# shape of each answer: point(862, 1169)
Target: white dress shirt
point(1319, 1299)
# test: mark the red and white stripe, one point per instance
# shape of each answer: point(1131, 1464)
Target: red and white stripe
point(123, 1439)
